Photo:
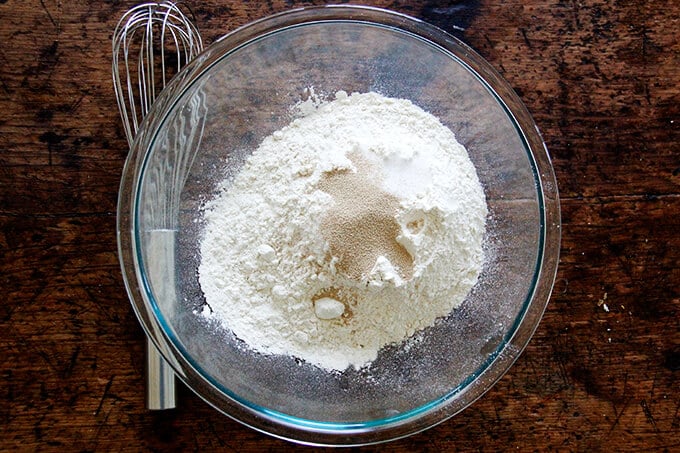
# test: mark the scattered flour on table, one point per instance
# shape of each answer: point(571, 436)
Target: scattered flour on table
point(352, 228)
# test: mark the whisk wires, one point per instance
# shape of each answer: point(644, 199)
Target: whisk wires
point(151, 42)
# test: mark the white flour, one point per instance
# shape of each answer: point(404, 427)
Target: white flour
point(350, 229)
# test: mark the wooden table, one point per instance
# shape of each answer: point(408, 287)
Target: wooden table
point(602, 79)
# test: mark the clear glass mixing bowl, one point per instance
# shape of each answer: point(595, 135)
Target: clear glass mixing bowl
point(241, 90)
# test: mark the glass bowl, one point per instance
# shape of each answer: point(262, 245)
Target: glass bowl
point(241, 90)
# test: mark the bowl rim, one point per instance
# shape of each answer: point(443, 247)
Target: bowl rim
point(333, 433)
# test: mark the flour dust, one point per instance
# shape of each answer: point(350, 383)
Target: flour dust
point(352, 228)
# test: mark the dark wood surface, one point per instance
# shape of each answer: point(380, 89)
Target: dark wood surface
point(602, 79)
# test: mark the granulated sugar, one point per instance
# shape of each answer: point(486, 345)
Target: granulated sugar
point(350, 229)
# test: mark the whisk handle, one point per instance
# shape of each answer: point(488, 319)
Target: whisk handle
point(160, 380)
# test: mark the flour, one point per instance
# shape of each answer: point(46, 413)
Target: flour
point(350, 229)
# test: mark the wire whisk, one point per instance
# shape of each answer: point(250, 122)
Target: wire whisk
point(151, 43)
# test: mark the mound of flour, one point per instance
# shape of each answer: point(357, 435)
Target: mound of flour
point(350, 229)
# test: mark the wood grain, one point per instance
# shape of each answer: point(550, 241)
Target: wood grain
point(602, 80)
